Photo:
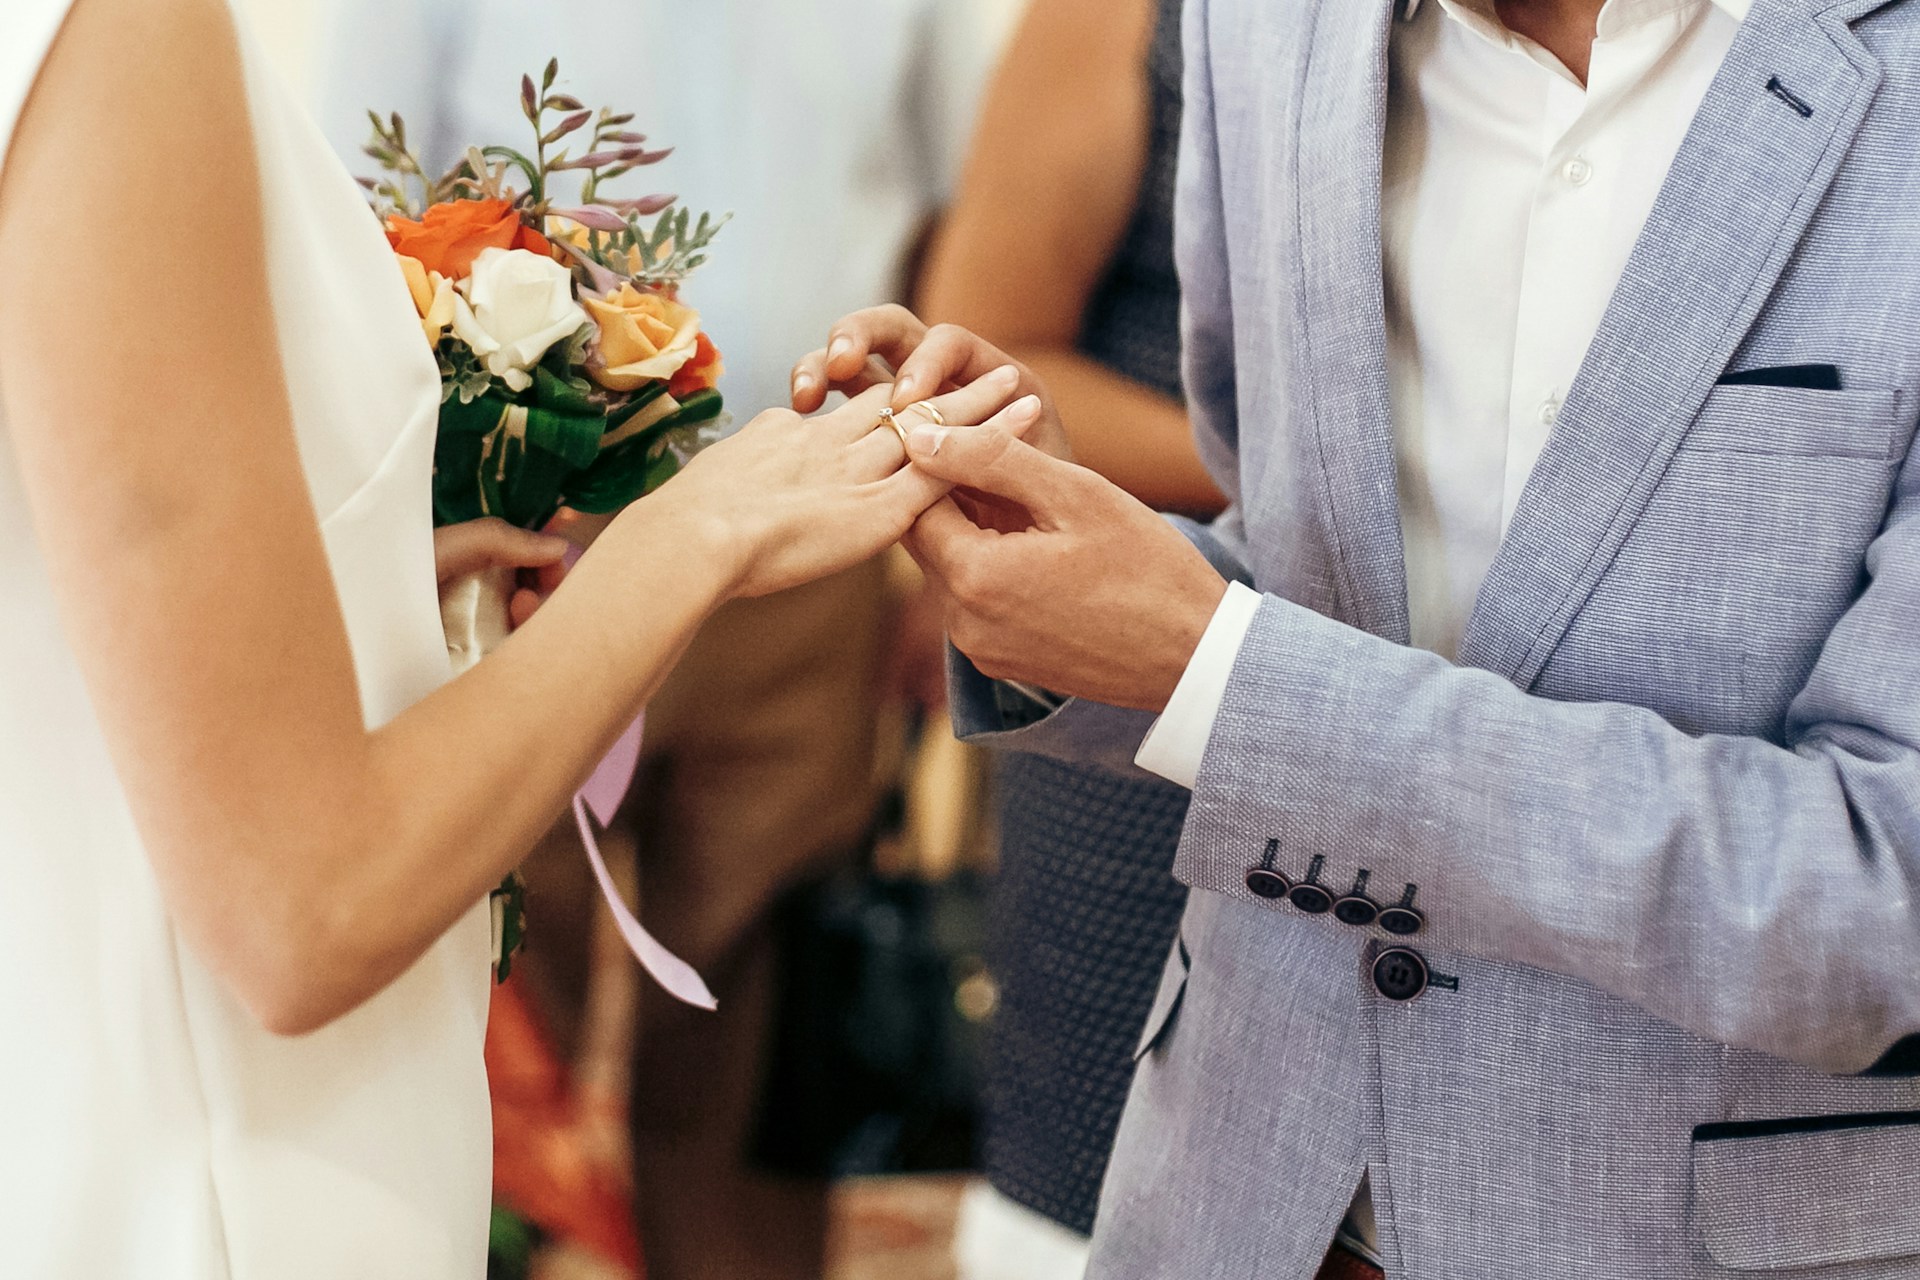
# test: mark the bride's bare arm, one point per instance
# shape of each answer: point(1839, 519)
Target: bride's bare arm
point(307, 860)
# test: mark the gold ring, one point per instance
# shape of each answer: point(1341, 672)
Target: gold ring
point(889, 419)
point(932, 411)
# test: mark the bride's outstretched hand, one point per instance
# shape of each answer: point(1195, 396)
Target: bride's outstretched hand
point(889, 344)
point(790, 499)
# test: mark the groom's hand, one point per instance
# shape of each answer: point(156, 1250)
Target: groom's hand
point(1090, 595)
point(891, 344)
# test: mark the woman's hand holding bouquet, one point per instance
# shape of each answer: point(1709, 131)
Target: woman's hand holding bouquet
point(575, 379)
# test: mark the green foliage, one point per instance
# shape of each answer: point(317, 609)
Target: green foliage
point(510, 1246)
point(523, 458)
point(674, 249)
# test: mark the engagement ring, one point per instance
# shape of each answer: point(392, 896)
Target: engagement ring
point(889, 419)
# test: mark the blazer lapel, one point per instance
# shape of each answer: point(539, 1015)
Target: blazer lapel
point(1759, 155)
point(1337, 183)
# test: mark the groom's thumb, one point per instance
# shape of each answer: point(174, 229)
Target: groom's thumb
point(992, 461)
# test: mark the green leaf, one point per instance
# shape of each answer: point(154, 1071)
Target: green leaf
point(637, 466)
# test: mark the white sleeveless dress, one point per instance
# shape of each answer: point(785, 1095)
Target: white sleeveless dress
point(149, 1129)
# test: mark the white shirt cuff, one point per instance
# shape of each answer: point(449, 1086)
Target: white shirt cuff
point(1178, 739)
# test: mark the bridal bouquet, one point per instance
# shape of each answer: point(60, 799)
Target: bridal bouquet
point(572, 374)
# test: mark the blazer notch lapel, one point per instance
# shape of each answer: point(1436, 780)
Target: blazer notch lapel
point(1740, 194)
point(1337, 184)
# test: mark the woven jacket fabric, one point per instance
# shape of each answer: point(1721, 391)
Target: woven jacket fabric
point(1664, 815)
point(1085, 905)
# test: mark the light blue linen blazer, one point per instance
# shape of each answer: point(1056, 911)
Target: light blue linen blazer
point(1663, 817)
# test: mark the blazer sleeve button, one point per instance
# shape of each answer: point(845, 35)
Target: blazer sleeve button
point(1357, 909)
point(1263, 881)
point(1310, 895)
point(1403, 918)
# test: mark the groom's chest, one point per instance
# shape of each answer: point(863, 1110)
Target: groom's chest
point(1684, 545)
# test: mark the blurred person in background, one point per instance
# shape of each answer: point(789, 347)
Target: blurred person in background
point(1059, 249)
point(832, 133)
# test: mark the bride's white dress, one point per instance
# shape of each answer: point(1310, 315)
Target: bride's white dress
point(149, 1129)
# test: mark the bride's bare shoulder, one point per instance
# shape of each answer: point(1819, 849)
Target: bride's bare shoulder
point(126, 78)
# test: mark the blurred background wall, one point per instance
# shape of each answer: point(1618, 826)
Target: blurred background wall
point(292, 29)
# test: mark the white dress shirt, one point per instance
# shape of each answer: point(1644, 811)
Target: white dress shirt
point(1512, 196)
point(833, 133)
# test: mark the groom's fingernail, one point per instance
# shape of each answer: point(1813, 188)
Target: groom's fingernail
point(840, 347)
point(928, 440)
point(802, 383)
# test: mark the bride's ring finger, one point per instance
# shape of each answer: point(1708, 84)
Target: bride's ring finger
point(884, 446)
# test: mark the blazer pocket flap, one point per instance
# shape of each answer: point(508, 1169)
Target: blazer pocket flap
point(1821, 1193)
point(1166, 1001)
point(1858, 423)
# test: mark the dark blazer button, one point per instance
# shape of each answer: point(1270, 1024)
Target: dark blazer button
point(1403, 918)
point(1400, 973)
point(1357, 909)
point(1310, 895)
point(1263, 881)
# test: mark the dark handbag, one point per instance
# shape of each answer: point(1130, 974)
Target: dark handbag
point(875, 1068)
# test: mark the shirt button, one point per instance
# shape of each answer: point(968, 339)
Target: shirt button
point(1550, 412)
point(1577, 172)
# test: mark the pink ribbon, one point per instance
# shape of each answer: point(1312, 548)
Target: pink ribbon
point(601, 796)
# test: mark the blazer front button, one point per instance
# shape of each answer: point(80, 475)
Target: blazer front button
point(1400, 973)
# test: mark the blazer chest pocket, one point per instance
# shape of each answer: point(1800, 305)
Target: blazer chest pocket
point(1861, 423)
point(1820, 1192)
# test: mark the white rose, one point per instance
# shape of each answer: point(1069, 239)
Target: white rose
point(512, 308)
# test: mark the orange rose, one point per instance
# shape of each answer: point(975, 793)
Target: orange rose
point(701, 373)
point(452, 235)
point(644, 337)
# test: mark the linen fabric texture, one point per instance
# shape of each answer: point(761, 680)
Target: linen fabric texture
point(1085, 903)
point(1663, 815)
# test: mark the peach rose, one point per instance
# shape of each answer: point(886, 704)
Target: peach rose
point(451, 235)
point(644, 337)
point(432, 297)
point(701, 373)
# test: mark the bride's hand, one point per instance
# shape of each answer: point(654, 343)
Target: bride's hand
point(864, 349)
point(791, 499)
point(474, 545)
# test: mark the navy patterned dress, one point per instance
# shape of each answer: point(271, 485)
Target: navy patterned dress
point(1086, 907)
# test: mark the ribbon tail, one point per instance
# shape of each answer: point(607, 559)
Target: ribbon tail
point(612, 777)
point(675, 976)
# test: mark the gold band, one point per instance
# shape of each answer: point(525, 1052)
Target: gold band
point(889, 419)
point(932, 411)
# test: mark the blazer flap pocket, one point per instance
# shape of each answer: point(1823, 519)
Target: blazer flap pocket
point(1858, 423)
point(1820, 1192)
point(1166, 1001)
